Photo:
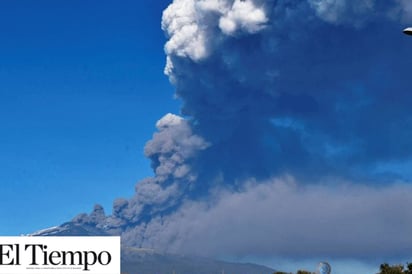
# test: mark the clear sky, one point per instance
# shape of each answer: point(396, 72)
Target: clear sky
point(81, 87)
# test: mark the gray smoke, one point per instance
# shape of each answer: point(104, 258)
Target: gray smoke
point(287, 126)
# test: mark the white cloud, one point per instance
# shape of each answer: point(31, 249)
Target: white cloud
point(353, 12)
point(187, 38)
point(192, 25)
point(189, 25)
point(243, 15)
point(169, 120)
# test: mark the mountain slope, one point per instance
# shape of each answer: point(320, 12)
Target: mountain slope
point(143, 261)
point(147, 261)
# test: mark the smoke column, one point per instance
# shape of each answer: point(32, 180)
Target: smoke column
point(289, 142)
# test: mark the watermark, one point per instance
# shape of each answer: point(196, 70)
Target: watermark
point(60, 255)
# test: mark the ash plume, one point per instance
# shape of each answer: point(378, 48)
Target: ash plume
point(295, 120)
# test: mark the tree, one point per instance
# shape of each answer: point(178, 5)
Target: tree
point(409, 270)
point(303, 272)
point(299, 272)
point(391, 269)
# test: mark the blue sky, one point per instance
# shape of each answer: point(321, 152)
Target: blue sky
point(81, 87)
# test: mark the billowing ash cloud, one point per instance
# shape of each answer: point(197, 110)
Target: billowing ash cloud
point(295, 88)
point(280, 218)
point(292, 110)
point(190, 24)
